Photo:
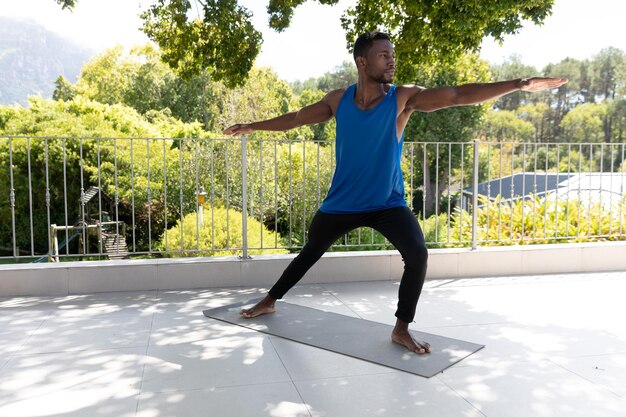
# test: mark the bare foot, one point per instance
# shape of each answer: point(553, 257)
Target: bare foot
point(265, 306)
point(401, 336)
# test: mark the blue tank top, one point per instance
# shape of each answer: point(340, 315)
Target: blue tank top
point(367, 174)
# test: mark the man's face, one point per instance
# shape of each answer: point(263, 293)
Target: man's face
point(381, 62)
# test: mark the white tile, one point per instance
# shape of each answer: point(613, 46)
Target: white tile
point(140, 303)
point(16, 327)
point(370, 291)
point(386, 395)
point(270, 400)
point(87, 383)
point(34, 282)
point(307, 362)
point(74, 333)
point(540, 388)
point(170, 329)
point(109, 278)
point(608, 371)
point(232, 357)
point(316, 296)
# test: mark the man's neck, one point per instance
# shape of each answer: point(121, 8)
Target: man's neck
point(368, 91)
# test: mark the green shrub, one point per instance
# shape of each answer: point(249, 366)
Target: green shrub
point(219, 235)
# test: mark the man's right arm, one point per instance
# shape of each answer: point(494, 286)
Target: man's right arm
point(318, 112)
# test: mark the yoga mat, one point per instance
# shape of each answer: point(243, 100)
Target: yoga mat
point(355, 337)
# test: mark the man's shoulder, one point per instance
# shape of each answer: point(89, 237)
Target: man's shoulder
point(409, 89)
point(332, 98)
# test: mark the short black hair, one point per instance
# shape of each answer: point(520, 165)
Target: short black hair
point(364, 42)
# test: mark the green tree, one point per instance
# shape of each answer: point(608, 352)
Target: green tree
point(510, 69)
point(430, 33)
point(584, 123)
point(219, 37)
point(222, 41)
point(505, 126)
point(64, 89)
point(342, 76)
point(540, 115)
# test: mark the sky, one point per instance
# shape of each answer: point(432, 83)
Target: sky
point(315, 42)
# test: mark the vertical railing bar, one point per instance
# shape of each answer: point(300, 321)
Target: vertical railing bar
point(580, 171)
point(425, 169)
point(600, 175)
point(475, 198)
point(67, 249)
point(512, 191)
point(569, 167)
point(412, 174)
point(611, 189)
point(500, 195)
point(30, 199)
point(149, 198)
point(180, 182)
point(589, 190)
point(244, 197)
point(100, 243)
point(227, 196)
point(462, 145)
point(132, 191)
point(534, 235)
point(213, 195)
point(621, 220)
point(304, 236)
point(545, 194)
point(261, 188)
point(167, 248)
point(197, 187)
point(319, 189)
point(276, 193)
point(48, 196)
point(82, 196)
point(117, 200)
point(290, 194)
point(12, 197)
point(488, 207)
point(437, 194)
point(523, 197)
point(449, 187)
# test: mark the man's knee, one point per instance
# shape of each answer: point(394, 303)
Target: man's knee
point(417, 258)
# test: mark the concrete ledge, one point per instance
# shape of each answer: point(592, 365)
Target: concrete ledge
point(166, 274)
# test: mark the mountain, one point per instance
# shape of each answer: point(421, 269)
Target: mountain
point(31, 59)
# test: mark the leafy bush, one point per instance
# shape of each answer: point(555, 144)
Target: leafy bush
point(220, 234)
point(537, 221)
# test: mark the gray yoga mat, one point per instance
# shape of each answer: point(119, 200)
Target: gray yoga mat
point(358, 338)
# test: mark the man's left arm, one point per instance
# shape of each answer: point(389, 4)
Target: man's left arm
point(432, 99)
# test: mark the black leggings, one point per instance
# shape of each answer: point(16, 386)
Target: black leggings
point(397, 224)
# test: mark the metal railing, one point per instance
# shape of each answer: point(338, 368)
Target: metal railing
point(243, 196)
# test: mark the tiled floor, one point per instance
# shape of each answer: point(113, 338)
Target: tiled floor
point(555, 346)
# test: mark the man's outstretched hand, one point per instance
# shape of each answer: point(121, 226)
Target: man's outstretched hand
point(238, 129)
point(539, 84)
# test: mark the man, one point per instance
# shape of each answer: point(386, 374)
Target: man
point(367, 187)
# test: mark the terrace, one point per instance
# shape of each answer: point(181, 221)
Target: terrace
point(555, 346)
point(128, 338)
